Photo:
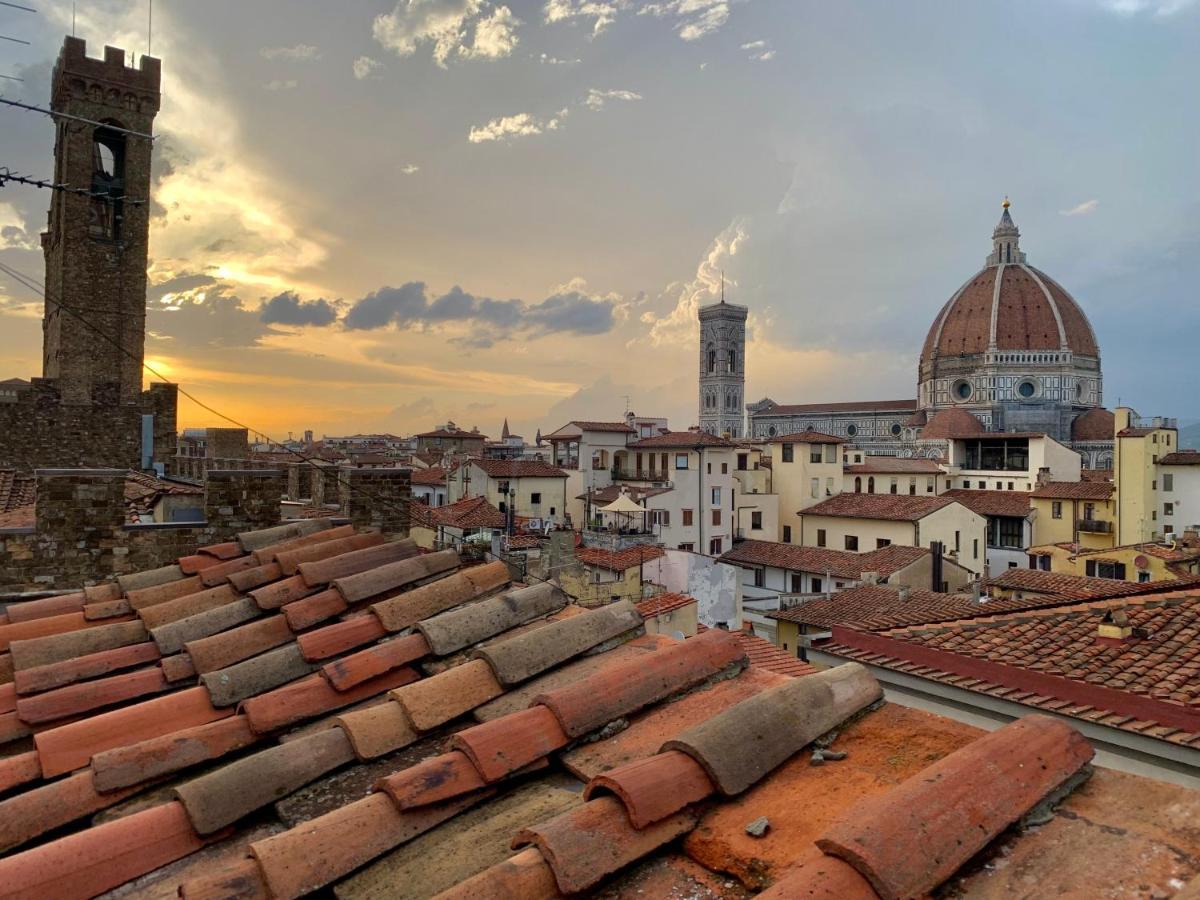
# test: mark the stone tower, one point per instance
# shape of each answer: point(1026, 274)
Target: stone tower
point(722, 367)
point(95, 246)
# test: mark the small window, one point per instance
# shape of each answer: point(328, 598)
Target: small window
point(724, 468)
point(1168, 509)
point(929, 485)
point(716, 496)
point(817, 585)
point(687, 518)
point(688, 547)
point(814, 453)
point(681, 460)
point(815, 487)
point(1168, 483)
point(708, 468)
point(714, 547)
point(957, 541)
point(535, 499)
point(716, 517)
point(894, 488)
point(983, 485)
point(828, 487)
point(787, 534)
point(975, 549)
point(756, 521)
point(760, 578)
point(912, 486)
point(1056, 509)
point(788, 450)
point(880, 543)
point(851, 542)
point(797, 582)
point(830, 453)
point(820, 537)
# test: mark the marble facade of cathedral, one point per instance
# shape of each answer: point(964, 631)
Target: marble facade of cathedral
point(1010, 351)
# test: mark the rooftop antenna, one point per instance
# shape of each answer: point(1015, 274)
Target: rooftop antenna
point(626, 404)
point(72, 18)
point(722, 285)
point(149, 25)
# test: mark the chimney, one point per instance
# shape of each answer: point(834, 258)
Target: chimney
point(976, 592)
point(870, 578)
point(935, 576)
point(1043, 475)
point(1114, 626)
point(903, 594)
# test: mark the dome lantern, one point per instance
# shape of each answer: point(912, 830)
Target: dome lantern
point(1006, 241)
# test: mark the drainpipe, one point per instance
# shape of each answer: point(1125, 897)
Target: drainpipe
point(700, 484)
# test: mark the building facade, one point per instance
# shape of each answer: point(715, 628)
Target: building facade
point(722, 368)
point(1011, 348)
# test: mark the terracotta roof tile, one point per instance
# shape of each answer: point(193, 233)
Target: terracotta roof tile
point(682, 440)
point(1181, 458)
point(807, 437)
point(1013, 504)
point(308, 697)
point(1074, 490)
point(951, 423)
point(80, 668)
point(472, 512)
point(139, 762)
point(289, 560)
point(619, 560)
point(765, 655)
point(518, 468)
point(893, 507)
point(885, 561)
point(911, 839)
point(885, 465)
point(28, 610)
point(1079, 587)
point(654, 788)
point(335, 639)
point(663, 603)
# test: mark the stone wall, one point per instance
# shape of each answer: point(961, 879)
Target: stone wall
point(300, 481)
point(376, 498)
point(227, 443)
point(81, 536)
point(196, 468)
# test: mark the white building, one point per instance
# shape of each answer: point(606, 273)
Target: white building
point(1179, 491)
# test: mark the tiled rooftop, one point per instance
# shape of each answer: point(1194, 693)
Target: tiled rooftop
point(1182, 458)
point(890, 465)
point(519, 468)
point(663, 603)
point(839, 563)
point(1074, 490)
point(471, 512)
point(808, 437)
point(895, 507)
point(1013, 504)
point(618, 560)
point(309, 710)
point(1078, 587)
point(876, 607)
point(1055, 659)
point(683, 440)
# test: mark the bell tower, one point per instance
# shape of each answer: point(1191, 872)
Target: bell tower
point(95, 245)
point(722, 367)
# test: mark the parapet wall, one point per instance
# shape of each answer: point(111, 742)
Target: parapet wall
point(81, 536)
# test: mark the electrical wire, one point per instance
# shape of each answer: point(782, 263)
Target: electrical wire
point(7, 175)
point(33, 284)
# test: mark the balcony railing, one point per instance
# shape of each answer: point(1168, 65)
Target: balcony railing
point(1095, 526)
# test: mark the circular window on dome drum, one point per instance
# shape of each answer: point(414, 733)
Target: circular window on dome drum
point(962, 390)
point(771, 432)
point(1026, 389)
point(852, 430)
point(896, 430)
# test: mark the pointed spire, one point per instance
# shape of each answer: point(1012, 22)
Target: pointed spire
point(1006, 240)
point(504, 430)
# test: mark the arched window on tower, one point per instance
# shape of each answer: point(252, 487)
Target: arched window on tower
point(732, 361)
point(108, 183)
point(871, 485)
point(712, 360)
point(858, 484)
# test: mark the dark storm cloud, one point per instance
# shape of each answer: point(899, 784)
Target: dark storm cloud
point(289, 309)
point(408, 306)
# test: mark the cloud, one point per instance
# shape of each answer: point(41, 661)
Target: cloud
point(505, 128)
point(547, 60)
point(279, 84)
point(211, 318)
point(760, 50)
point(1083, 209)
point(597, 98)
point(1158, 8)
point(602, 12)
point(409, 307)
point(289, 309)
point(410, 169)
point(464, 29)
point(297, 53)
point(364, 66)
point(694, 19)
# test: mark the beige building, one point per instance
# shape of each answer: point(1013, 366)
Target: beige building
point(451, 439)
point(533, 489)
point(892, 475)
point(674, 615)
point(695, 491)
point(587, 452)
point(601, 576)
point(806, 468)
point(861, 522)
point(1008, 462)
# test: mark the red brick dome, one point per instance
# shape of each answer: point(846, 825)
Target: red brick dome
point(1009, 305)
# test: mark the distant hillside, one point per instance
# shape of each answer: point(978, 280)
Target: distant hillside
point(1189, 436)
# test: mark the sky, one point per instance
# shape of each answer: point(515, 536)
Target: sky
point(380, 216)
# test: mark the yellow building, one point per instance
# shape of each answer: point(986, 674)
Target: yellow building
point(603, 576)
point(1177, 559)
point(1138, 449)
point(806, 468)
point(675, 615)
point(434, 528)
point(861, 522)
point(1074, 512)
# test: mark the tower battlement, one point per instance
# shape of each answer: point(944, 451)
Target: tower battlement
point(110, 70)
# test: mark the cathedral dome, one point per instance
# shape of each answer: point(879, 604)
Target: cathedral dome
point(1008, 306)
